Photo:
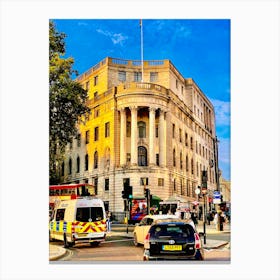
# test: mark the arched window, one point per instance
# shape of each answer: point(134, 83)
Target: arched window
point(70, 166)
point(142, 129)
point(78, 164)
point(95, 164)
point(142, 156)
point(86, 162)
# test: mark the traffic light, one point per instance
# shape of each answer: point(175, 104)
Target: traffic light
point(127, 192)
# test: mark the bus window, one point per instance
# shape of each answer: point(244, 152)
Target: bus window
point(90, 190)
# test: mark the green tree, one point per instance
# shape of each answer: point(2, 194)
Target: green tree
point(67, 102)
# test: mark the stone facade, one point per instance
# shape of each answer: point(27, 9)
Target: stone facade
point(161, 127)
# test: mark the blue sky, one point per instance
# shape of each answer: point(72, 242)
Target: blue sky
point(199, 49)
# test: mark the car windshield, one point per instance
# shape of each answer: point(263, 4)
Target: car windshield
point(172, 230)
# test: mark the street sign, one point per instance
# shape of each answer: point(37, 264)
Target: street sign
point(216, 200)
point(217, 195)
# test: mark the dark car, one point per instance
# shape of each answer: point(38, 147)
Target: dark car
point(172, 240)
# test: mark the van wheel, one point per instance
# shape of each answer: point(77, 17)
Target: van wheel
point(94, 244)
point(50, 238)
point(66, 243)
point(135, 240)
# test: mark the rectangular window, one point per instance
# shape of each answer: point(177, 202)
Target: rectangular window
point(160, 182)
point(87, 136)
point(106, 205)
point(173, 130)
point(180, 135)
point(79, 140)
point(144, 181)
point(157, 159)
point(128, 157)
point(84, 214)
point(177, 83)
point(106, 187)
point(157, 131)
point(96, 133)
point(186, 139)
point(188, 188)
point(137, 76)
point(153, 76)
point(95, 184)
point(95, 95)
point(95, 80)
point(87, 85)
point(107, 129)
point(122, 76)
point(96, 112)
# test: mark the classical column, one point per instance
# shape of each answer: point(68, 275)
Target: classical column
point(152, 135)
point(134, 131)
point(123, 138)
point(162, 139)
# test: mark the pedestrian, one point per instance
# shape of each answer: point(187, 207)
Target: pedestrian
point(178, 213)
point(209, 217)
point(216, 221)
point(188, 214)
point(194, 217)
point(108, 221)
point(222, 220)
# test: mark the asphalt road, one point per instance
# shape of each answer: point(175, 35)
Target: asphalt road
point(121, 249)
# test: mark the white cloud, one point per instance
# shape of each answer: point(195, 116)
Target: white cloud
point(81, 23)
point(224, 150)
point(117, 38)
point(222, 112)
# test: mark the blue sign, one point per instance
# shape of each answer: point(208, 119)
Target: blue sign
point(216, 195)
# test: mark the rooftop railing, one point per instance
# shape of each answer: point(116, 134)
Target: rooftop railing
point(125, 62)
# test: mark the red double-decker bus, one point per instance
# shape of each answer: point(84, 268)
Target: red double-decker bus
point(71, 191)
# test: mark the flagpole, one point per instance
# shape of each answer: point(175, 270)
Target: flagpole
point(142, 52)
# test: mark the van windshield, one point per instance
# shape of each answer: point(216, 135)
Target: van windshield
point(87, 214)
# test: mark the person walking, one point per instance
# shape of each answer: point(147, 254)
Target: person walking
point(194, 217)
point(222, 221)
point(216, 221)
point(108, 221)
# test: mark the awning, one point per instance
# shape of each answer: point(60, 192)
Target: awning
point(154, 197)
point(195, 203)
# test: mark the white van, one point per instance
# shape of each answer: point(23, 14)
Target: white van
point(78, 221)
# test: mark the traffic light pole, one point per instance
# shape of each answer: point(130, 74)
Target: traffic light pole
point(204, 218)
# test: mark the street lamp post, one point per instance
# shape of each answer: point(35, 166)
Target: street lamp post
point(197, 191)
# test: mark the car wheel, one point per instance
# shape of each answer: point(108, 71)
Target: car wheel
point(66, 243)
point(135, 240)
point(50, 238)
point(199, 256)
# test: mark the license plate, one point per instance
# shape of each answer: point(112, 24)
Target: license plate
point(172, 247)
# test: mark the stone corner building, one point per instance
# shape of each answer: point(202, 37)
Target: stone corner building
point(157, 132)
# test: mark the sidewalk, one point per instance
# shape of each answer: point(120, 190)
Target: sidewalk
point(56, 252)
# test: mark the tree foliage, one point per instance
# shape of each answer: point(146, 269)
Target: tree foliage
point(67, 101)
